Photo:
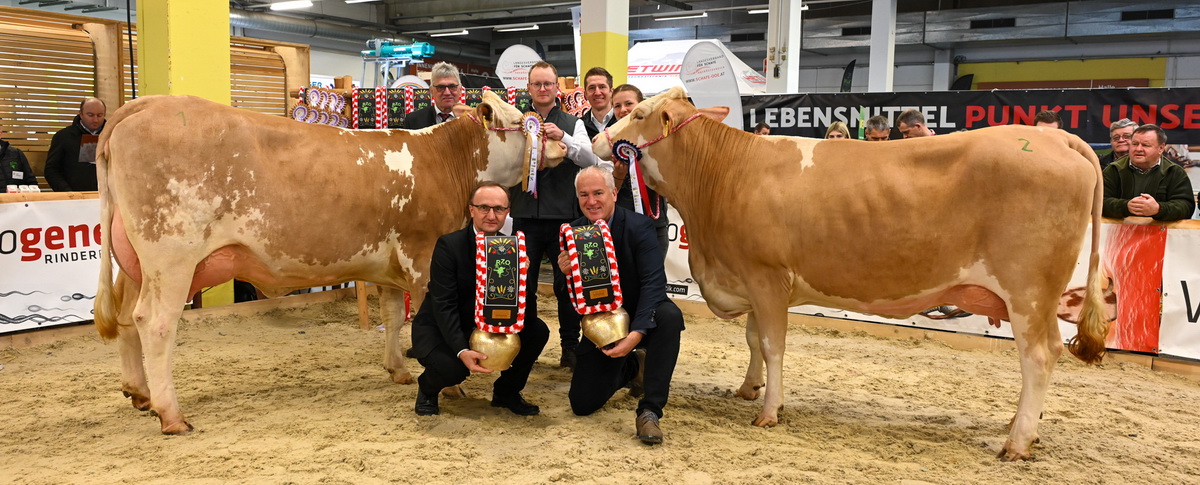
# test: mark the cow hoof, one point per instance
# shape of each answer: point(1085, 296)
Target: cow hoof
point(749, 392)
point(455, 392)
point(766, 421)
point(402, 377)
point(1010, 453)
point(141, 403)
point(177, 429)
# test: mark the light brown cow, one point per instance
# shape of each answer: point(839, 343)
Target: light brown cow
point(780, 221)
point(194, 193)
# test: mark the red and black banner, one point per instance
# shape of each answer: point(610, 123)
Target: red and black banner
point(1085, 112)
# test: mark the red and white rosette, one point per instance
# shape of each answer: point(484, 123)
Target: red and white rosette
point(575, 285)
point(481, 285)
point(381, 108)
point(409, 99)
point(512, 95)
point(626, 152)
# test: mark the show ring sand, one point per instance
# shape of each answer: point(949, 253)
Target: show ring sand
point(299, 395)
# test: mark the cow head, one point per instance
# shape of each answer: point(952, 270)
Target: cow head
point(651, 121)
point(511, 141)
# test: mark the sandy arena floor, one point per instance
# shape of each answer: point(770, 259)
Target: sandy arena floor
point(299, 396)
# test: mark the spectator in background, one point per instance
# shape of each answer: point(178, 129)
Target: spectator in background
point(625, 98)
point(446, 90)
point(837, 131)
point(1120, 132)
point(597, 88)
point(877, 128)
point(911, 124)
point(71, 161)
point(14, 167)
point(540, 217)
point(1144, 183)
point(762, 129)
point(1048, 118)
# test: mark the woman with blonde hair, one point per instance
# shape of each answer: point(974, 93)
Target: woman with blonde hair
point(837, 130)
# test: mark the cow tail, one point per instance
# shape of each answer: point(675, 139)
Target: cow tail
point(1088, 342)
point(107, 303)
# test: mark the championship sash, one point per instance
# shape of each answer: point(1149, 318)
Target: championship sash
point(500, 275)
point(595, 284)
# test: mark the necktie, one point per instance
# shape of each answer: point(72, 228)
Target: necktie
point(445, 116)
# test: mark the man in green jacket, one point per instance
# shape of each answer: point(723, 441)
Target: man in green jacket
point(1145, 184)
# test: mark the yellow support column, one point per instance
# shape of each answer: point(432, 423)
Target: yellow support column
point(604, 33)
point(183, 48)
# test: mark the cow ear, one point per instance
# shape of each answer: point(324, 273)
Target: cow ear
point(717, 113)
point(486, 113)
point(461, 109)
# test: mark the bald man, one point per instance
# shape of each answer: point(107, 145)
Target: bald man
point(71, 161)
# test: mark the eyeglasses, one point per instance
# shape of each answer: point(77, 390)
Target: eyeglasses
point(546, 85)
point(488, 208)
point(1122, 137)
point(444, 87)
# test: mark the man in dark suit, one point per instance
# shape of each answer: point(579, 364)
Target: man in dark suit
point(655, 322)
point(446, 90)
point(442, 327)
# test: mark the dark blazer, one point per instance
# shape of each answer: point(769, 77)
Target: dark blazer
point(422, 118)
point(640, 264)
point(447, 316)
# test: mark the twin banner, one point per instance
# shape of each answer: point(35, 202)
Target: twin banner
point(1085, 112)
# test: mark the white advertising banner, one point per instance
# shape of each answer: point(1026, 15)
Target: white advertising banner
point(654, 67)
point(513, 66)
point(49, 263)
point(709, 80)
point(1180, 331)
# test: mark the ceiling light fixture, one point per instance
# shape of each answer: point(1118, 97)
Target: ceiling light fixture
point(758, 11)
point(515, 28)
point(447, 33)
point(291, 5)
point(684, 15)
point(362, 1)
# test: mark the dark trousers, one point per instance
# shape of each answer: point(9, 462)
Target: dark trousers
point(541, 239)
point(597, 376)
point(444, 369)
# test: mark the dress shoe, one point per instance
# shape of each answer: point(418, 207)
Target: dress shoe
point(567, 361)
point(427, 404)
point(647, 428)
point(636, 386)
point(515, 403)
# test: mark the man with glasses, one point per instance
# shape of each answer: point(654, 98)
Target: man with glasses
point(1120, 132)
point(597, 88)
point(442, 327)
point(1144, 183)
point(446, 90)
point(540, 217)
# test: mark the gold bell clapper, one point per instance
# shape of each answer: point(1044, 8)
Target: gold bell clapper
point(604, 328)
point(500, 348)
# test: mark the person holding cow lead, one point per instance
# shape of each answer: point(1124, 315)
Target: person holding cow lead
point(655, 323)
point(548, 202)
point(442, 328)
point(1144, 183)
